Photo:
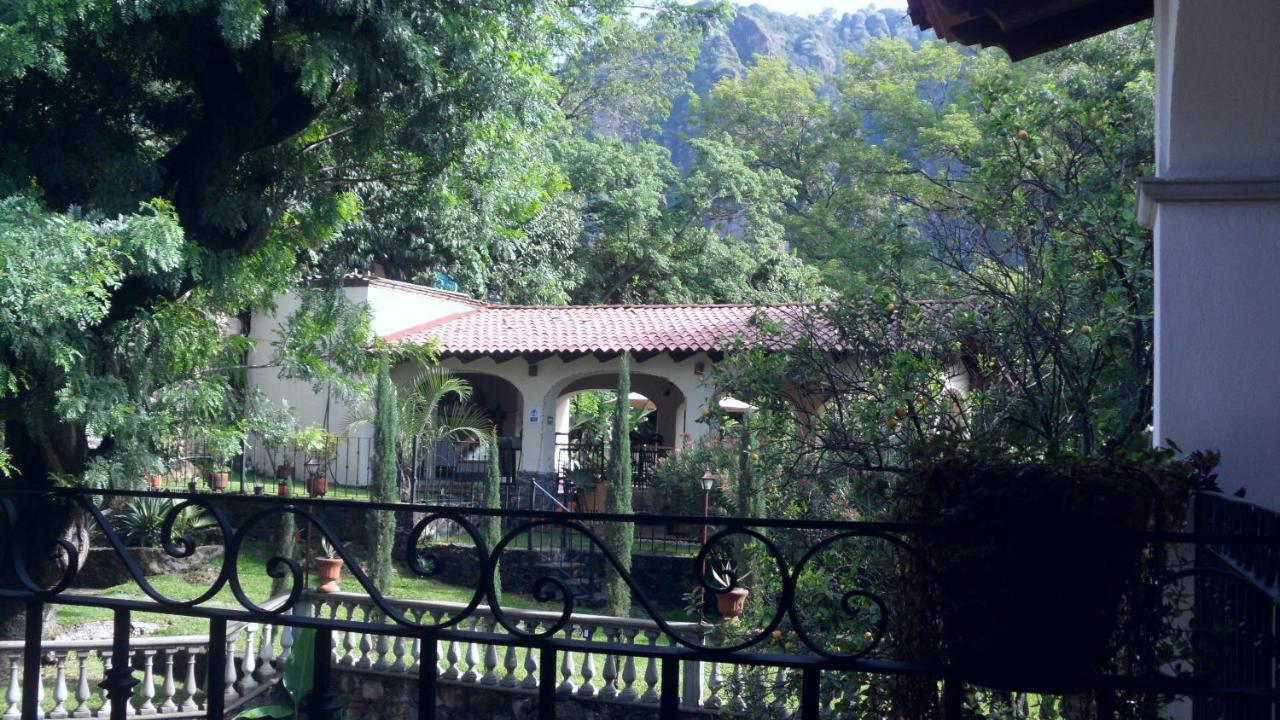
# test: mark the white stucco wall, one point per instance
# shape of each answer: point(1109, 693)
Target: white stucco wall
point(399, 306)
point(1215, 207)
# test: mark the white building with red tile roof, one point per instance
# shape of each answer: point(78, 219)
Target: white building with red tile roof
point(525, 363)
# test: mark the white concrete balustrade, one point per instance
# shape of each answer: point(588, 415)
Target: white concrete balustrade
point(171, 673)
point(709, 687)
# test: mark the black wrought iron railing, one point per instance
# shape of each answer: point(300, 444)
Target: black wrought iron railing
point(1237, 603)
point(836, 611)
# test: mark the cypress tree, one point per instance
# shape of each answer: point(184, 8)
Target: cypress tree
point(491, 527)
point(750, 501)
point(620, 536)
point(382, 525)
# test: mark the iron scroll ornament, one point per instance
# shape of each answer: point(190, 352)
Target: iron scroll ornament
point(425, 564)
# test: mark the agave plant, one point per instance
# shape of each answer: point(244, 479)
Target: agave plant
point(141, 521)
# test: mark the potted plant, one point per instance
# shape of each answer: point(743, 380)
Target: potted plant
point(731, 596)
point(592, 489)
point(328, 568)
point(193, 485)
point(282, 488)
point(1029, 572)
point(222, 444)
point(320, 447)
point(220, 477)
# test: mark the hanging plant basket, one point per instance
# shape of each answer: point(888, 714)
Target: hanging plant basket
point(1032, 586)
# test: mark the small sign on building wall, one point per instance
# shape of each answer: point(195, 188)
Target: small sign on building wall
point(533, 415)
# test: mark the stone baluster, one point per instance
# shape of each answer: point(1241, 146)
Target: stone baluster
point(588, 687)
point(510, 663)
point(229, 672)
point(651, 694)
point(39, 693)
point(82, 684)
point(472, 656)
point(531, 660)
point(60, 685)
point(567, 669)
point(714, 684)
point(383, 644)
point(349, 640)
point(366, 641)
point(490, 676)
point(736, 702)
point(170, 686)
point(189, 686)
point(248, 662)
point(629, 693)
point(779, 704)
point(148, 687)
point(286, 645)
point(398, 651)
point(610, 672)
point(450, 660)
point(266, 655)
point(104, 710)
point(14, 696)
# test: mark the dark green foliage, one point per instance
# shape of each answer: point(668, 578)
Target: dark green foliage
point(141, 521)
point(620, 536)
point(491, 527)
point(382, 525)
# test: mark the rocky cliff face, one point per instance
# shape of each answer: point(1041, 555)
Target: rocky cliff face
point(817, 42)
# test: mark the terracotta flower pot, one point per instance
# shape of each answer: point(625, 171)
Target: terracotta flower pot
point(284, 472)
point(731, 603)
point(595, 498)
point(317, 485)
point(282, 489)
point(328, 573)
point(155, 481)
point(220, 480)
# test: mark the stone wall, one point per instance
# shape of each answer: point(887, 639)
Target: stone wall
point(376, 696)
point(665, 578)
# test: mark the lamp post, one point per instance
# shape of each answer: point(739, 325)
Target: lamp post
point(708, 481)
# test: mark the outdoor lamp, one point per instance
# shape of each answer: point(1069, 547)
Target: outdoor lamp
point(708, 480)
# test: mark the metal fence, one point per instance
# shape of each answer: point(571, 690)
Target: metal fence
point(192, 465)
point(1235, 598)
point(800, 654)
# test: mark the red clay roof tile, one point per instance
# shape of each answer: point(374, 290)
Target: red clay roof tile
point(514, 329)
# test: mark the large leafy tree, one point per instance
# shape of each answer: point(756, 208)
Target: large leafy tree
point(971, 211)
point(172, 165)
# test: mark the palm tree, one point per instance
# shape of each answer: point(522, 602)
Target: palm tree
point(427, 414)
point(434, 409)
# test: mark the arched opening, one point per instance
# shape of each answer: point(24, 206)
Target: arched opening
point(657, 407)
point(501, 401)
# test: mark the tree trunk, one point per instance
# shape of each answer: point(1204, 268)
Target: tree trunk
point(37, 454)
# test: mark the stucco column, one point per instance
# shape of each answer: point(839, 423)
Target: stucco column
point(1215, 208)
